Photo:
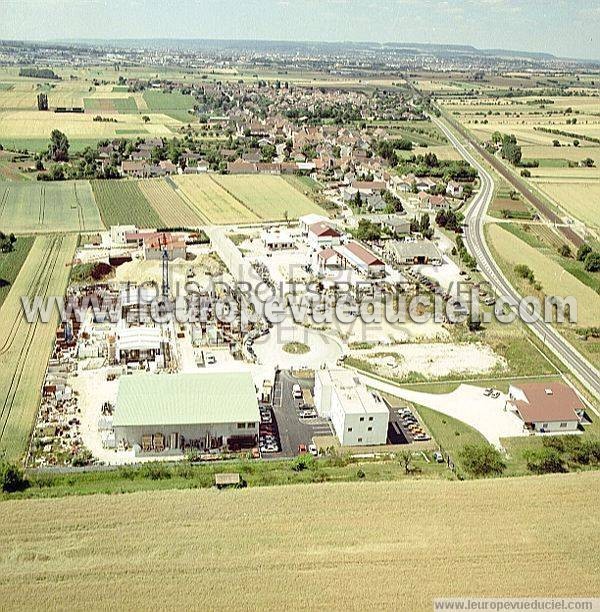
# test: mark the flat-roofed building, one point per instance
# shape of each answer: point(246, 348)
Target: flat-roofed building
point(179, 411)
point(359, 416)
point(277, 240)
point(407, 253)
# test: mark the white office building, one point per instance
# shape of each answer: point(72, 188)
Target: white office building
point(359, 416)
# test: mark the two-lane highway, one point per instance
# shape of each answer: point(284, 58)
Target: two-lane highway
point(477, 246)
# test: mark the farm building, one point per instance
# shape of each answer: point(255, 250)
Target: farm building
point(322, 234)
point(354, 255)
point(408, 253)
point(179, 411)
point(546, 407)
point(277, 240)
point(359, 416)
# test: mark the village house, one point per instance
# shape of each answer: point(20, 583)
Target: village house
point(454, 189)
point(546, 406)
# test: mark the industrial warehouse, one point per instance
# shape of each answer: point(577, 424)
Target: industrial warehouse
point(175, 412)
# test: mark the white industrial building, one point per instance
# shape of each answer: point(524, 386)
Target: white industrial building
point(359, 416)
point(174, 412)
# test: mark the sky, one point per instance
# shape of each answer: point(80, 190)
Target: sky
point(567, 28)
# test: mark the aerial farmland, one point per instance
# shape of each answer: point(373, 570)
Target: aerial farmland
point(334, 298)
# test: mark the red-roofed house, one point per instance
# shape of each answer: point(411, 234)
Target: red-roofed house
point(322, 234)
point(546, 407)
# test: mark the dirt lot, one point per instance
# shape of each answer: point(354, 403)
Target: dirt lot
point(431, 360)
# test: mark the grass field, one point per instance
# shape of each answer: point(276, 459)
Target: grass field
point(48, 207)
point(404, 542)
point(111, 105)
point(268, 197)
point(123, 203)
point(212, 202)
point(11, 263)
point(174, 104)
point(554, 279)
point(25, 348)
point(580, 199)
point(170, 207)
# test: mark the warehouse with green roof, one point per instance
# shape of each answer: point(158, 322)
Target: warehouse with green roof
point(170, 413)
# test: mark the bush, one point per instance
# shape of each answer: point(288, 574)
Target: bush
point(592, 262)
point(360, 474)
point(564, 250)
point(525, 173)
point(583, 251)
point(545, 461)
point(524, 271)
point(303, 462)
point(482, 460)
point(12, 478)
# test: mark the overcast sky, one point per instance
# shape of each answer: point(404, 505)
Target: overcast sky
point(569, 28)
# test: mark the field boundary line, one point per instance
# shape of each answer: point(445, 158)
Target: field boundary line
point(228, 192)
point(187, 201)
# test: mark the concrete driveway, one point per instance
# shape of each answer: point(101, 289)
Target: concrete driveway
point(323, 348)
point(467, 404)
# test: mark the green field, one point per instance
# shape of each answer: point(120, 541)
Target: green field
point(365, 546)
point(268, 197)
point(173, 104)
point(25, 348)
point(48, 207)
point(111, 105)
point(122, 203)
point(11, 263)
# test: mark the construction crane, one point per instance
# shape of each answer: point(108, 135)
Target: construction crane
point(165, 266)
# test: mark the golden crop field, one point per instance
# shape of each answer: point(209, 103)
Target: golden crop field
point(34, 124)
point(580, 199)
point(268, 197)
point(25, 348)
point(334, 546)
point(212, 202)
point(555, 280)
point(48, 207)
point(569, 153)
point(171, 208)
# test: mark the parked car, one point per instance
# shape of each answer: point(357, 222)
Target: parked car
point(439, 458)
point(210, 359)
point(495, 395)
point(312, 449)
point(302, 448)
point(487, 392)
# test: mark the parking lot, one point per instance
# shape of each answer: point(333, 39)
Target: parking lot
point(293, 429)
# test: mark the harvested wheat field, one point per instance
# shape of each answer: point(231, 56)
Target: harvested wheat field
point(170, 207)
point(330, 546)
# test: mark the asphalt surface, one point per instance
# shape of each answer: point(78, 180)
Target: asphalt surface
point(475, 241)
point(294, 431)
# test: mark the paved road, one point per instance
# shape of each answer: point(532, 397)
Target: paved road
point(475, 241)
